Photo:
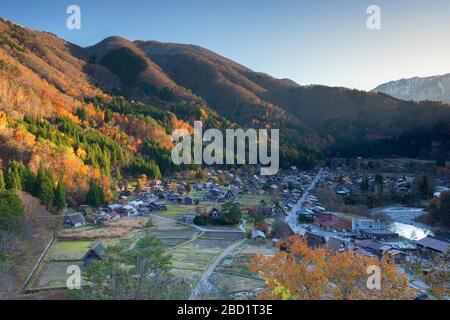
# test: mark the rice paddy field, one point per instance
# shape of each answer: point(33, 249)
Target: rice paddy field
point(233, 280)
point(192, 251)
point(53, 275)
point(193, 258)
point(169, 232)
point(68, 250)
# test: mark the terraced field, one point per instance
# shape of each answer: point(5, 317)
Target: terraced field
point(170, 233)
point(52, 275)
point(68, 250)
point(193, 258)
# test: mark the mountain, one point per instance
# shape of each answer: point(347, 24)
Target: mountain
point(434, 88)
point(110, 108)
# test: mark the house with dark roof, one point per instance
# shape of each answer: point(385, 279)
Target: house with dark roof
point(379, 234)
point(74, 220)
point(305, 216)
point(188, 201)
point(374, 247)
point(157, 206)
point(279, 211)
point(214, 213)
point(95, 253)
point(230, 195)
point(314, 240)
point(335, 245)
point(330, 222)
point(432, 244)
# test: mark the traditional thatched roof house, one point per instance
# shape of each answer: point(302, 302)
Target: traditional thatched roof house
point(95, 253)
point(74, 220)
point(214, 213)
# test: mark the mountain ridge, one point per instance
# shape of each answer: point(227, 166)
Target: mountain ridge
point(432, 88)
point(185, 79)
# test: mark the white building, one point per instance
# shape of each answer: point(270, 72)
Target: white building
point(366, 224)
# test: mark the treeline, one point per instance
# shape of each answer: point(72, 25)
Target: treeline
point(17, 177)
point(124, 107)
point(165, 118)
point(414, 144)
point(101, 152)
point(94, 148)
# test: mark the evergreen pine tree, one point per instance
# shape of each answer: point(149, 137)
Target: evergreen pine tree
point(47, 189)
point(2, 182)
point(12, 179)
point(39, 181)
point(60, 196)
point(365, 184)
point(95, 195)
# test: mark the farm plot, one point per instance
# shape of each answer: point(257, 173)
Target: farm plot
point(231, 236)
point(248, 201)
point(193, 258)
point(170, 233)
point(235, 287)
point(52, 275)
point(171, 238)
point(233, 280)
point(173, 212)
point(68, 250)
point(113, 230)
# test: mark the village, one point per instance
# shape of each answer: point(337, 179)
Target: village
point(214, 225)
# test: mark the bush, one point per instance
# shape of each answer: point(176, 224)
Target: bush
point(200, 221)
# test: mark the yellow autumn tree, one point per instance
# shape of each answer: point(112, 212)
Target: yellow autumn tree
point(302, 273)
point(296, 274)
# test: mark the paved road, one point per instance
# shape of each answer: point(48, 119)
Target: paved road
point(203, 283)
point(292, 218)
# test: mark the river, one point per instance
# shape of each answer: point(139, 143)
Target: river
point(404, 224)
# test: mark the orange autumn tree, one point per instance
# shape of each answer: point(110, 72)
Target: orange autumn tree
point(347, 272)
point(302, 273)
point(296, 274)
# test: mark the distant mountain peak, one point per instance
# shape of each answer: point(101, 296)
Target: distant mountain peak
point(433, 88)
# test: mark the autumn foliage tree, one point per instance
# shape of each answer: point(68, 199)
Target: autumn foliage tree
point(295, 274)
point(302, 273)
point(435, 273)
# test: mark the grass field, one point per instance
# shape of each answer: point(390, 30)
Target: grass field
point(249, 201)
point(175, 211)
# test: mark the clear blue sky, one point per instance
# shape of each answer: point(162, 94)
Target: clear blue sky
point(311, 42)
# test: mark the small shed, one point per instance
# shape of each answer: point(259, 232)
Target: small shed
point(189, 218)
point(258, 236)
